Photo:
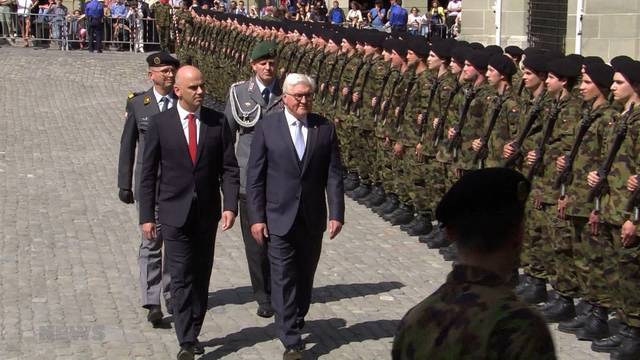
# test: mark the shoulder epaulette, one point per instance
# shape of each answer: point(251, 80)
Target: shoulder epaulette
point(132, 94)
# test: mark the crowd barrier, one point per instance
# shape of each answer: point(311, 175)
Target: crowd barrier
point(131, 33)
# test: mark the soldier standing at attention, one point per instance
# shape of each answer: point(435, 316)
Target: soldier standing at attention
point(248, 102)
point(162, 14)
point(140, 107)
point(475, 313)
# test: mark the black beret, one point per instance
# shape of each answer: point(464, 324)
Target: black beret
point(350, 34)
point(493, 50)
point(162, 58)
point(600, 73)
point(476, 46)
point(459, 53)
point(564, 67)
point(374, 38)
point(536, 62)
point(630, 70)
point(513, 51)
point(618, 60)
point(479, 59)
point(592, 60)
point(419, 46)
point(533, 50)
point(484, 196)
point(577, 58)
point(388, 44)
point(503, 64)
point(442, 49)
point(400, 47)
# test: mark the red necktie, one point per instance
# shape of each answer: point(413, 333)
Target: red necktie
point(193, 138)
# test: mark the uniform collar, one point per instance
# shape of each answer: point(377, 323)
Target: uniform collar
point(474, 275)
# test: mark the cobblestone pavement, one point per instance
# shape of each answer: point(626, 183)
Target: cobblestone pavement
point(68, 247)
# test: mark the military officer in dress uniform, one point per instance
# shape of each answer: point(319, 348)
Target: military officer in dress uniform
point(140, 107)
point(247, 103)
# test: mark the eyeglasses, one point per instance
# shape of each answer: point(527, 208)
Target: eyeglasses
point(166, 71)
point(299, 97)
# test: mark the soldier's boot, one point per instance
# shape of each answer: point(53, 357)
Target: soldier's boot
point(536, 292)
point(351, 182)
point(611, 343)
point(404, 215)
point(436, 239)
point(578, 321)
point(595, 326)
point(629, 348)
point(411, 224)
point(386, 203)
point(450, 253)
point(375, 192)
point(397, 210)
point(523, 283)
point(422, 225)
point(394, 203)
point(561, 309)
point(376, 199)
point(361, 191)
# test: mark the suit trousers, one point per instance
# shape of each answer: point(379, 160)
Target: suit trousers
point(257, 258)
point(154, 277)
point(294, 259)
point(189, 254)
point(94, 30)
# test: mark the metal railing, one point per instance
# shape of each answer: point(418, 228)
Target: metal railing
point(131, 33)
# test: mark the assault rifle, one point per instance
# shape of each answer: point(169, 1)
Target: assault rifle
point(401, 109)
point(605, 167)
point(542, 145)
point(347, 99)
point(456, 141)
point(427, 111)
point(385, 80)
point(438, 132)
point(483, 152)
point(566, 174)
point(534, 112)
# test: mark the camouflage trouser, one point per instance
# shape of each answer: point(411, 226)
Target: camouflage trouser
point(629, 283)
point(402, 181)
point(426, 182)
point(564, 279)
point(367, 155)
point(537, 251)
point(346, 145)
point(164, 33)
point(386, 166)
point(596, 259)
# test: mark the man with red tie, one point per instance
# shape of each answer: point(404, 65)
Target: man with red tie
point(192, 144)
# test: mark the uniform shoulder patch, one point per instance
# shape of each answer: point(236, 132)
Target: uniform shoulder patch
point(132, 94)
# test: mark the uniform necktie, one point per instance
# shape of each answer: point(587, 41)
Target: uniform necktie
point(265, 95)
point(299, 141)
point(191, 126)
point(165, 103)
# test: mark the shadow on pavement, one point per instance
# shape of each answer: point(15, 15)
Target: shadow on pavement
point(321, 295)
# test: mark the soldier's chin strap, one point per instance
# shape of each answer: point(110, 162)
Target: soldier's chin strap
point(243, 119)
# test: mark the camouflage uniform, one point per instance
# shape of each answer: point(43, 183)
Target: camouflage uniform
point(474, 315)
point(506, 126)
point(162, 14)
point(448, 96)
point(385, 157)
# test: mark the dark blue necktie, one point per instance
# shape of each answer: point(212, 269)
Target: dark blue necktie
point(265, 95)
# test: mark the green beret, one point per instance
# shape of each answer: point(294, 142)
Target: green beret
point(263, 49)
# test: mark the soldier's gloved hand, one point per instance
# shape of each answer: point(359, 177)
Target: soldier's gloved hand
point(126, 196)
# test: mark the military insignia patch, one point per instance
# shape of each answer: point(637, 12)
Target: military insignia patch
point(147, 100)
point(156, 60)
point(131, 95)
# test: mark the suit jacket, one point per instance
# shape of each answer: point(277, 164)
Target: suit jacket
point(140, 109)
point(247, 96)
point(278, 185)
point(181, 181)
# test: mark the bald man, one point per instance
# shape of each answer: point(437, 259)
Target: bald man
point(193, 145)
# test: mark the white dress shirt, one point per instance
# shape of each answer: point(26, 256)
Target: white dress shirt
point(262, 86)
point(169, 98)
point(185, 122)
point(292, 123)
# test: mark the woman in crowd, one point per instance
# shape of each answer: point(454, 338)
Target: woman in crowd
point(354, 16)
point(415, 21)
point(377, 15)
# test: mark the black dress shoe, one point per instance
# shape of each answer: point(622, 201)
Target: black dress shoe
point(536, 292)
point(185, 353)
point(169, 305)
point(629, 348)
point(595, 326)
point(198, 348)
point(155, 315)
point(265, 310)
point(562, 309)
point(422, 226)
point(293, 352)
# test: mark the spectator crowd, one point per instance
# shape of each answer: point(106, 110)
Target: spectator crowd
point(142, 25)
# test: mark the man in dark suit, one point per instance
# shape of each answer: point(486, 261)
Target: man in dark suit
point(294, 170)
point(140, 107)
point(193, 146)
point(248, 102)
